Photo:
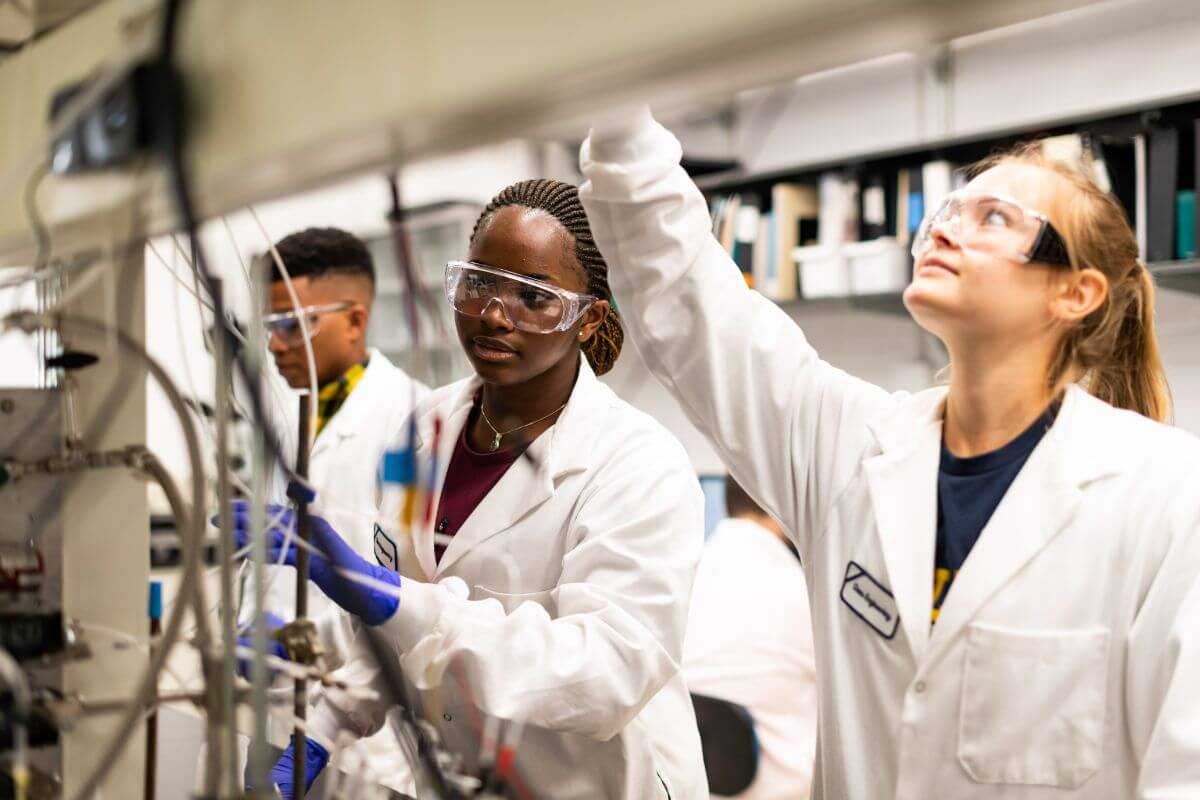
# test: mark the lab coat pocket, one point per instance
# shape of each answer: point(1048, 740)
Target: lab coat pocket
point(1033, 705)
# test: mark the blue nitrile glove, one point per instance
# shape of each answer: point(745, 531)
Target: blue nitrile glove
point(274, 646)
point(372, 605)
point(315, 759)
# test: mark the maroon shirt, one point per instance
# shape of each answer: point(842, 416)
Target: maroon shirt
point(469, 478)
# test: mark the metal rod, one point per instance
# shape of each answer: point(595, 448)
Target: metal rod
point(152, 720)
point(300, 707)
point(260, 750)
point(211, 667)
point(222, 384)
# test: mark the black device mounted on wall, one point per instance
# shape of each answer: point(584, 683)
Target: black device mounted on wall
point(128, 119)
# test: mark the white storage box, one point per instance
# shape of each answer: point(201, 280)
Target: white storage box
point(880, 266)
point(823, 271)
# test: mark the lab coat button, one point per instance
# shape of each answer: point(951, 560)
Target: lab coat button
point(919, 687)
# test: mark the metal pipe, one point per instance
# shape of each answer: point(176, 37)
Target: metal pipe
point(300, 703)
point(228, 733)
point(260, 750)
point(155, 610)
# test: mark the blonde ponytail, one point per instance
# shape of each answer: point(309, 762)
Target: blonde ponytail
point(1128, 371)
point(1114, 350)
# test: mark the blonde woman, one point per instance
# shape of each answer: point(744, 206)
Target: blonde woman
point(1004, 573)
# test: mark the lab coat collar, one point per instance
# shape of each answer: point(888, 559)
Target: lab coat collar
point(355, 414)
point(902, 481)
point(1041, 502)
point(531, 479)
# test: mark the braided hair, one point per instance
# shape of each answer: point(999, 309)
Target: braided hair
point(561, 201)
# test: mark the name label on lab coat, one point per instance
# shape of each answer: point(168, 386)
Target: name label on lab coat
point(870, 601)
point(385, 550)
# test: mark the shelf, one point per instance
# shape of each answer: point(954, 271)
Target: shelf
point(961, 149)
point(887, 303)
point(1179, 276)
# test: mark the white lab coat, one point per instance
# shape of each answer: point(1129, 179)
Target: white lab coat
point(1066, 659)
point(342, 468)
point(749, 641)
point(578, 565)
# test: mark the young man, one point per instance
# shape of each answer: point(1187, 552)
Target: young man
point(749, 641)
point(363, 405)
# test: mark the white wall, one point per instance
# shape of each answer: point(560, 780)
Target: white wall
point(1099, 59)
point(18, 353)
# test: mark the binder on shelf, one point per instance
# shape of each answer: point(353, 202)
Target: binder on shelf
point(916, 201)
point(853, 229)
point(1196, 169)
point(838, 213)
point(728, 227)
point(717, 208)
point(1139, 194)
point(764, 253)
point(874, 208)
point(1162, 174)
point(903, 234)
point(745, 232)
point(1185, 224)
point(1100, 166)
point(794, 222)
point(937, 181)
point(725, 215)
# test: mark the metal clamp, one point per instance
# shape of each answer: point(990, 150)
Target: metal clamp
point(300, 639)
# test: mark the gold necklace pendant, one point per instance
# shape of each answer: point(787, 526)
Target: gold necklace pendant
point(500, 434)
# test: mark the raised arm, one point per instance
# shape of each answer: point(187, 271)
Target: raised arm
point(789, 426)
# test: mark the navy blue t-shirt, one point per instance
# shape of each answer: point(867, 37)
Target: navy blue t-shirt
point(969, 489)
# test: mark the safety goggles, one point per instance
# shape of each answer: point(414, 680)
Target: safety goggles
point(286, 328)
point(529, 305)
point(997, 225)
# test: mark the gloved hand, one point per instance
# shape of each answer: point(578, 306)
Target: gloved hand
point(315, 759)
point(274, 647)
point(373, 605)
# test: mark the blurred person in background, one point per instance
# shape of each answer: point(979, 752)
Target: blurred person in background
point(749, 641)
point(363, 402)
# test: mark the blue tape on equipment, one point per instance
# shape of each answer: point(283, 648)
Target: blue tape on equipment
point(400, 466)
point(156, 603)
point(299, 492)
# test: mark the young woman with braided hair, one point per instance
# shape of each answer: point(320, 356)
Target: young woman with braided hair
point(548, 584)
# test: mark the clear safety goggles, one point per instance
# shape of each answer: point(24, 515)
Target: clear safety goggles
point(994, 224)
point(529, 305)
point(286, 328)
